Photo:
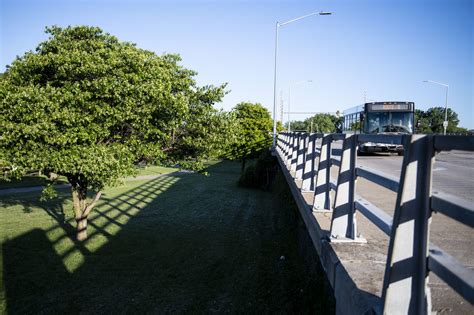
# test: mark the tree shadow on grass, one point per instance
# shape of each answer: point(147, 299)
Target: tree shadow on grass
point(186, 243)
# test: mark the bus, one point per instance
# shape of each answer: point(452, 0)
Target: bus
point(380, 118)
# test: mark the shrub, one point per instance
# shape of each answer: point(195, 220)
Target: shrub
point(261, 174)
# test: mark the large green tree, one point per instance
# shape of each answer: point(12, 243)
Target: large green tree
point(297, 125)
point(88, 106)
point(422, 123)
point(321, 122)
point(337, 121)
point(205, 131)
point(253, 131)
point(431, 121)
point(324, 123)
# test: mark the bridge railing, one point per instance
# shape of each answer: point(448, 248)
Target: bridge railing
point(410, 256)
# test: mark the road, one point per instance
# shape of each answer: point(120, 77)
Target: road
point(453, 171)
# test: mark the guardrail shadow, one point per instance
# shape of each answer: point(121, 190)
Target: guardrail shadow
point(52, 264)
point(168, 245)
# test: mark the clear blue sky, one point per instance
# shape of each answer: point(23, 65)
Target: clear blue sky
point(386, 48)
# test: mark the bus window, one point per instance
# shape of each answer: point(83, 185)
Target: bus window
point(402, 122)
point(377, 121)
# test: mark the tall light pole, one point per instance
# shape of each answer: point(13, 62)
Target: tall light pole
point(289, 99)
point(277, 27)
point(445, 122)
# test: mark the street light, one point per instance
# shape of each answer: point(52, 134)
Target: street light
point(445, 122)
point(289, 97)
point(277, 27)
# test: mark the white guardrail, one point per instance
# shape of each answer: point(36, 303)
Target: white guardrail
point(409, 253)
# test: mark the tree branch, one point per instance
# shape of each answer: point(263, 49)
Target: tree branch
point(90, 206)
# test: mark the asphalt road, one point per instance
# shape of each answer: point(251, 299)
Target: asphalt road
point(453, 171)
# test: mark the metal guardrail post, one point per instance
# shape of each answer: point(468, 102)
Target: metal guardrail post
point(294, 156)
point(291, 147)
point(283, 143)
point(405, 289)
point(322, 201)
point(278, 143)
point(301, 154)
point(343, 223)
point(310, 162)
point(285, 154)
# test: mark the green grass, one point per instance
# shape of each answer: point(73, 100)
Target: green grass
point(27, 181)
point(188, 243)
point(41, 180)
point(155, 170)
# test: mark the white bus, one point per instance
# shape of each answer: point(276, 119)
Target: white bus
point(380, 118)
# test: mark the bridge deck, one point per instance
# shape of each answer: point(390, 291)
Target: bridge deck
point(356, 270)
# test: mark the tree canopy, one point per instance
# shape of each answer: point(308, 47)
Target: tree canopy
point(431, 121)
point(253, 131)
point(88, 106)
point(322, 122)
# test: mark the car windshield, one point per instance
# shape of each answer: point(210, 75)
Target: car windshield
point(399, 122)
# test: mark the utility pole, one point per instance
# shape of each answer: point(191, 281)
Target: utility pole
point(445, 122)
point(281, 106)
point(277, 28)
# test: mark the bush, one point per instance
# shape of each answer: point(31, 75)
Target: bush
point(196, 166)
point(261, 174)
point(249, 178)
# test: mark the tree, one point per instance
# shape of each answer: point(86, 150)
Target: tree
point(324, 123)
point(356, 126)
point(87, 106)
point(431, 121)
point(206, 133)
point(298, 125)
point(435, 117)
point(254, 131)
point(422, 123)
point(338, 121)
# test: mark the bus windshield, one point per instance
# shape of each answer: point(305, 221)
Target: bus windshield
point(380, 122)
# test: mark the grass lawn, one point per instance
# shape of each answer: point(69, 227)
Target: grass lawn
point(187, 243)
point(41, 180)
point(155, 170)
point(28, 181)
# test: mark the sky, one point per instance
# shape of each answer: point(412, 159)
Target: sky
point(378, 50)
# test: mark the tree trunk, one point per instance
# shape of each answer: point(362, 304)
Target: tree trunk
point(243, 165)
point(81, 229)
point(82, 208)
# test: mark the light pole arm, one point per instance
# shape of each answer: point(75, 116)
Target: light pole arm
point(298, 18)
point(304, 16)
point(439, 83)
